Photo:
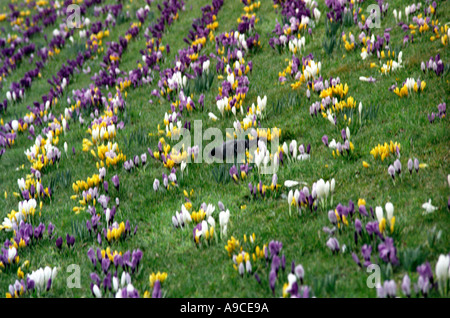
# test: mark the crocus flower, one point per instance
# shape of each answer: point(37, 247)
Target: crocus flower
point(416, 164)
point(332, 217)
point(325, 140)
point(333, 244)
point(272, 280)
point(156, 185)
point(406, 285)
point(59, 242)
point(70, 240)
point(428, 207)
point(398, 166)
point(50, 229)
point(391, 171)
point(258, 279)
point(362, 210)
point(116, 182)
point(356, 259)
point(442, 271)
point(410, 165)
point(390, 288)
point(358, 226)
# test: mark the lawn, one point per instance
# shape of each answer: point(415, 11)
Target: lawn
point(205, 268)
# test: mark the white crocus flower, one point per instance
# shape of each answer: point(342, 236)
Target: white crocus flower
point(224, 217)
point(211, 221)
point(379, 213)
point(389, 211)
point(15, 125)
point(327, 189)
point(332, 185)
point(291, 280)
point(185, 216)
point(206, 66)
point(290, 183)
point(212, 116)
point(97, 292)
point(21, 184)
point(293, 148)
point(230, 79)
point(290, 198)
point(115, 283)
point(209, 210)
point(442, 272)
point(428, 207)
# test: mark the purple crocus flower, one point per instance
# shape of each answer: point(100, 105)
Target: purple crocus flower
point(325, 140)
point(201, 100)
point(356, 259)
point(70, 240)
point(416, 164)
point(333, 245)
point(156, 290)
point(234, 173)
point(362, 210)
point(50, 229)
point(258, 279)
point(105, 264)
point(398, 166)
point(59, 242)
point(116, 182)
point(332, 217)
point(95, 278)
point(406, 286)
point(366, 251)
point(92, 257)
point(343, 134)
point(391, 171)
point(272, 280)
point(358, 226)
point(299, 272)
point(387, 251)
point(410, 165)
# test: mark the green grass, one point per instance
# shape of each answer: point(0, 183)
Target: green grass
point(208, 271)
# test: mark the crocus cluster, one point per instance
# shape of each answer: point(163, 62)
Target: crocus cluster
point(39, 280)
point(434, 64)
point(242, 260)
point(304, 198)
point(442, 109)
point(295, 287)
point(340, 149)
point(156, 281)
point(408, 87)
point(296, 152)
point(134, 163)
point(263, 189)
point(298, 19)
point(385, 150)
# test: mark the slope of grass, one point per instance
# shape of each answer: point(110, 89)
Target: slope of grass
point(208, 271)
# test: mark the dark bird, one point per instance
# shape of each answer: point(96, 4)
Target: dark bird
point(231, 149)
